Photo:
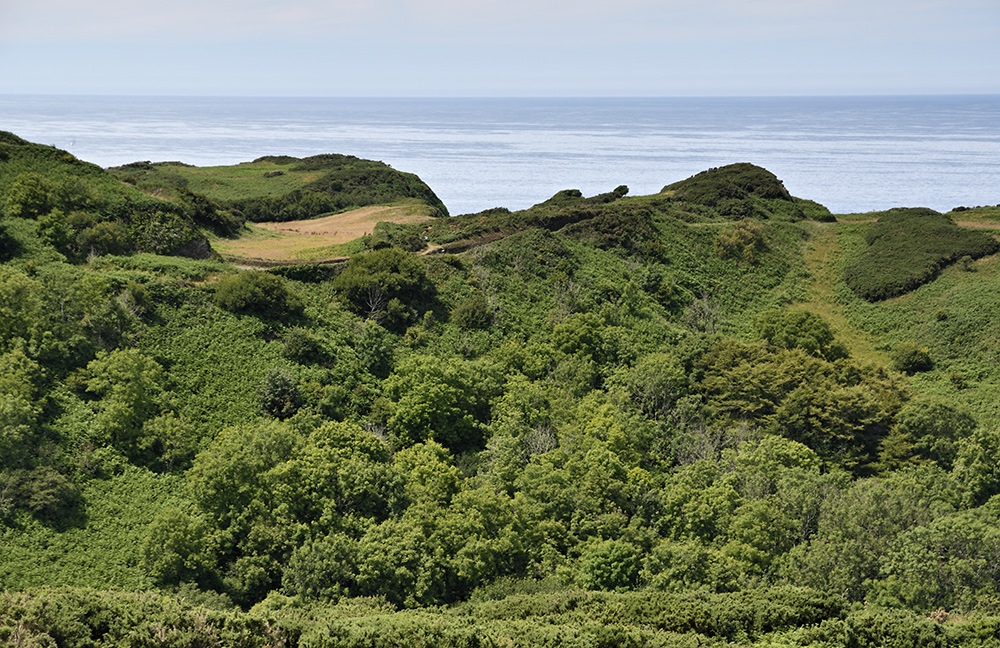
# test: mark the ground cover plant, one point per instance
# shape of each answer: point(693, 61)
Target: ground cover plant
point(601, 421)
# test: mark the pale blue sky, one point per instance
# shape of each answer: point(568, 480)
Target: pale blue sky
point(500, 47)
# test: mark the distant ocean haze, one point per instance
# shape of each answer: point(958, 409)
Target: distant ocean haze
point(852, 154)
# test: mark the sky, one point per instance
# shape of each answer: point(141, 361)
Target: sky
point(495, 48)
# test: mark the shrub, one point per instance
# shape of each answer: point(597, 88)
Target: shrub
point(107, 237)
point(610, 565)
point(257, 293)
point(301, 346)
point(911, 358)
point(30, 196)
point(382, 284)
point(733, 181)
point(743, 241)
point(801, 330)
point(472, 313)
point(279, 395)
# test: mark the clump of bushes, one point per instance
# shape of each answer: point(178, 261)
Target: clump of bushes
point(801, 330)
point(387, 285)
point(733, 181)
point(908, 248)
point(473, 313)
point(911, 358)
point(744, 241)
point(257, 293)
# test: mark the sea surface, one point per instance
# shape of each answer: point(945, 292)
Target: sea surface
point(852, 154)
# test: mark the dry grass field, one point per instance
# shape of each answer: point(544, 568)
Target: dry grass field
point(319, 239)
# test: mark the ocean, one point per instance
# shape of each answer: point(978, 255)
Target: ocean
point(852, 154)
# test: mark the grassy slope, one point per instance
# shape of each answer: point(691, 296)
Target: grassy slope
point(245, 180)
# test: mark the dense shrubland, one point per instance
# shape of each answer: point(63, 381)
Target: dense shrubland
point(611, 421)
point(909, 247)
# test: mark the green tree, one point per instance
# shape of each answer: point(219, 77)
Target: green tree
point(175, 549)
point(433, 398)
point(858, 527)
point(472, 313)
point(30, 196)
point(799, 329)
point(427, 472)
point(952, 563)
point(385, 285)
point(105, 237)
point(131, 388)
point(610, 565)
point(20, 407)
point(279, 394)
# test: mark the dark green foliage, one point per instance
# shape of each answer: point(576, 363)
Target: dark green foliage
point(84, 210)
point(30, 196)
point(840, 410)
point(301, 346)
point(952, 563)
point(107, 237)
point(737, 191)
point(908, 248)
point(610, 565)
point(439, 399)
point(257, 293)
point(625, 229)
point(790, 329)
point(732, 181)
point(399, 236)
point(387, 285)
point(9, 247)
point(279, 395)
point(307, 273)
point(208, 213)
point(926, 430)
point(472, 313)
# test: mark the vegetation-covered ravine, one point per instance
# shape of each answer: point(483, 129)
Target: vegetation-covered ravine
point(714, 416)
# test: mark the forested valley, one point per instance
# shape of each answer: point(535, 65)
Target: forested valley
point(714, 416)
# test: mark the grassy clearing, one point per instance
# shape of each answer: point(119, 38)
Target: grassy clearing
point(823, 254)
point(246, 180)
point(317, 239)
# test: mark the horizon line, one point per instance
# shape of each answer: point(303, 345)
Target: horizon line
point(498, 97)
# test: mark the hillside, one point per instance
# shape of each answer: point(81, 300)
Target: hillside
point(284, 188)
point(664, 420)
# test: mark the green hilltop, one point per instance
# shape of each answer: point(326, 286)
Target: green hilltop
point(718, 415)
